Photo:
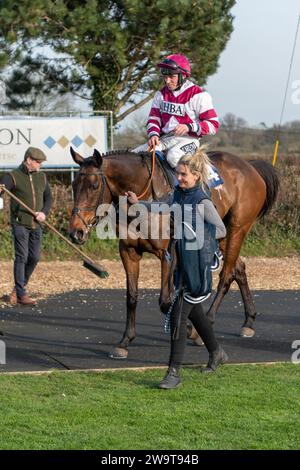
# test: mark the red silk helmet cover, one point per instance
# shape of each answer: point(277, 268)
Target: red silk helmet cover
point(177, 62)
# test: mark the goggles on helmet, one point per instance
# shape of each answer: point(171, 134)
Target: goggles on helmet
point(170, 67)
point(168, 72)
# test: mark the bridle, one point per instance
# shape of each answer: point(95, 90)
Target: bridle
point(95, 219)
point(77, 210)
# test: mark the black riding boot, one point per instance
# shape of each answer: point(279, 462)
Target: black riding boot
point(172, 378)
point(216, 358)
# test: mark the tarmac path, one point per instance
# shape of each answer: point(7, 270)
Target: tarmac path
point(78, 329)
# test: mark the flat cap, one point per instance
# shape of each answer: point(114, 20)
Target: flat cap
point(35, 154)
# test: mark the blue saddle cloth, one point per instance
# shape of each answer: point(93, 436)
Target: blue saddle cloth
point(215, 179)
point(160, 157)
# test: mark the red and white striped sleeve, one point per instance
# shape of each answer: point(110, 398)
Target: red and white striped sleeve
point(207, 122)
point(154, 122)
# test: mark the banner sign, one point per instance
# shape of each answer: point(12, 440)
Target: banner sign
point(54, 136)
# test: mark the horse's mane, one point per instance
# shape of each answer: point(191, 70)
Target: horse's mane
point(127, 152)
point(116, 153)
point(89, 161)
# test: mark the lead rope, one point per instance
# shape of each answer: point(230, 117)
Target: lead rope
point(152, 174)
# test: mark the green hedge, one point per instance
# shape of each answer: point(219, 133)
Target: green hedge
point(264, 240)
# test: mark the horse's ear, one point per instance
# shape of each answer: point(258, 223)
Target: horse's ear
point(97, 156)
point(76, 157)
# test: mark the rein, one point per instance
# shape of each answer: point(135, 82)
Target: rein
point(151, 177)
point(94, 220)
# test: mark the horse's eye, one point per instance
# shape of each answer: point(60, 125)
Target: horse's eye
point(96, 185)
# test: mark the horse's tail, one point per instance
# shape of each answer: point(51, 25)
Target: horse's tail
point(270, 177)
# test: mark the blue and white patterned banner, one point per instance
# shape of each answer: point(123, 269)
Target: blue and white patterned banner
point(52, 135)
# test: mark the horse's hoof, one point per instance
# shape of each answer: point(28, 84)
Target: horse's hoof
point(193, 335)
point(247, 332)
point(118, 353)
point(198, 341)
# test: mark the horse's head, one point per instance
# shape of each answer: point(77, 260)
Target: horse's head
point(88, 187)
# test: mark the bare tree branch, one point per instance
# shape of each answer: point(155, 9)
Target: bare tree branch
point(135, 107)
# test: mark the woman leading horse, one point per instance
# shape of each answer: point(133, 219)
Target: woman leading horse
point(248, 192)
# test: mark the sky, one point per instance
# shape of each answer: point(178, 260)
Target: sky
point(253, 69)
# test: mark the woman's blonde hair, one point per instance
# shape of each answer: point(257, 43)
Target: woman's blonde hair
point(198, 164)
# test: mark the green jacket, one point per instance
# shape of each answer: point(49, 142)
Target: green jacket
point(30, 188)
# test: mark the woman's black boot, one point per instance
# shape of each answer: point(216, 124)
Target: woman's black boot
point(216, 358)
point(172, 379)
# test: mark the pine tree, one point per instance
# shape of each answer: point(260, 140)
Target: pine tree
point(106, 50)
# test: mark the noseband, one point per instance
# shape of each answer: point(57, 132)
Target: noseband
point(77, 210)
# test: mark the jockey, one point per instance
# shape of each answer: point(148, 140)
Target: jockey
point(181, 112)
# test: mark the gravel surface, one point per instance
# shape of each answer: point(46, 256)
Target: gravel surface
point(56, 277)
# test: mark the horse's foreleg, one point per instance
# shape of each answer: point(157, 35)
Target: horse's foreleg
point(250, 310)
point(131, 262)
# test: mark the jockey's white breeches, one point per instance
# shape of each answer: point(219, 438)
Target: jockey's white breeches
point(174, 146)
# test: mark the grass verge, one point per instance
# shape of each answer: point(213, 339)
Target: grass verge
point(239, 407)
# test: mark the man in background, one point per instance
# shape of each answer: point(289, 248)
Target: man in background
point(30, 185)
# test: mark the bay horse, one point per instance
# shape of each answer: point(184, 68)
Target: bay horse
point(249, 191)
